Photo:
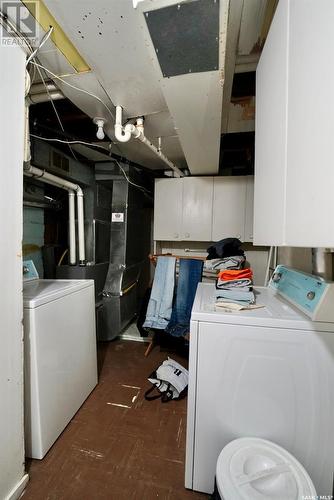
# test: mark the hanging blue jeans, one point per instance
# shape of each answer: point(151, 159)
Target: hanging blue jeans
point(159, 308)
point(190, 274)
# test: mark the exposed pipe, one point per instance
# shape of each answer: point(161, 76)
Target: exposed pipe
point(81, 227)
point(55, 95)
point(40, 88)
point(54, 180)
point(71, 218)
point(120, 134)
point(123, 134)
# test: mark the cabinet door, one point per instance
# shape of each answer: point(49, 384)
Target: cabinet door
point(271, 133)
point(310, 128)
point(168, 209)
point(249, 214)
point(229, 203)
point(197, 208)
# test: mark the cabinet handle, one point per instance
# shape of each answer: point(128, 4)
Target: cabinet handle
point(176, 235)
point(238, 236)
point(187, 235)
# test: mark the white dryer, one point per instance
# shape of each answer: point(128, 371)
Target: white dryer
point(59, 357)
point(266, 373)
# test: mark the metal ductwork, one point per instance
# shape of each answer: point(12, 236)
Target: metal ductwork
point(322, 263)
point(129, 249)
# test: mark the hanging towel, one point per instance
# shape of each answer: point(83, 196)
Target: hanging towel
point(190, 274)
point(160, 305)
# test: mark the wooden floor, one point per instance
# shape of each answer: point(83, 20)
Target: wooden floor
point(118, 446)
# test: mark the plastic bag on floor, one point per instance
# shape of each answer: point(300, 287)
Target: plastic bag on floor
point(170, 380)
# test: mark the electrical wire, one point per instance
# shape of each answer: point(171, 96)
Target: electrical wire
point(6, 22)
point(54, 109)
point(43, 41)
point(128, 180)
point(70, 142)
point(62, 257)
point(75, 87)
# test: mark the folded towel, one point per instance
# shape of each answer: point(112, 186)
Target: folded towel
point(233, 262)
point(228, 285)
point(234, 306)
point(229, 275)
point(236, 296)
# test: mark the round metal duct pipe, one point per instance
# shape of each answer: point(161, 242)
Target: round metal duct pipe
point(44, 97)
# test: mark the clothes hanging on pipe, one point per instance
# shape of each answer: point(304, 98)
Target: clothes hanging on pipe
point(190, 274)
point(160, 305)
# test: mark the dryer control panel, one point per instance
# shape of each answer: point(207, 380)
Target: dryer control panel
point(311, 294)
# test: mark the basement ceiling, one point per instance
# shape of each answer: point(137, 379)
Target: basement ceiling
point(188, 109)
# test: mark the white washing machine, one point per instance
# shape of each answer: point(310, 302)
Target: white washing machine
point(60, 357)
point(266, 373)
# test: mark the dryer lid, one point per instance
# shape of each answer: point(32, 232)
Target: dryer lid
point(256, 469)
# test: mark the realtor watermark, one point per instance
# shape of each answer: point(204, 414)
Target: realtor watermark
point(317, 497)
point(19, 23)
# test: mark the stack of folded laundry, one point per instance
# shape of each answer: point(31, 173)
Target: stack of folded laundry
point(213, 267)
point(235, 285)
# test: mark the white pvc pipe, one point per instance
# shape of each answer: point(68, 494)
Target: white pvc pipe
point(81, 228)
point(54, 180)
point(71, 218)
point(123, 134)
point(120, 134)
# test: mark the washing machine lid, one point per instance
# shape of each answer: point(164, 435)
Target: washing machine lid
point(39, 292)
point(256, 469)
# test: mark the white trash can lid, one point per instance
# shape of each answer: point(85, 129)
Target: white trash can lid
point(257, 469)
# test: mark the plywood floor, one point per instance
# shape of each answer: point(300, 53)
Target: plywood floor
point(118, 446)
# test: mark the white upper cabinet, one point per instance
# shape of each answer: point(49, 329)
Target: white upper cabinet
point(229, 205)
point(294, 174)
point(197, 208)
point(168, 209)
point(203, 208)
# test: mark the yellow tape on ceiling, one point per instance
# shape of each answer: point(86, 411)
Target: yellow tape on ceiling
point(44, 17)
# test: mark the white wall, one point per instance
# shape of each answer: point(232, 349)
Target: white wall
point(12, 70)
